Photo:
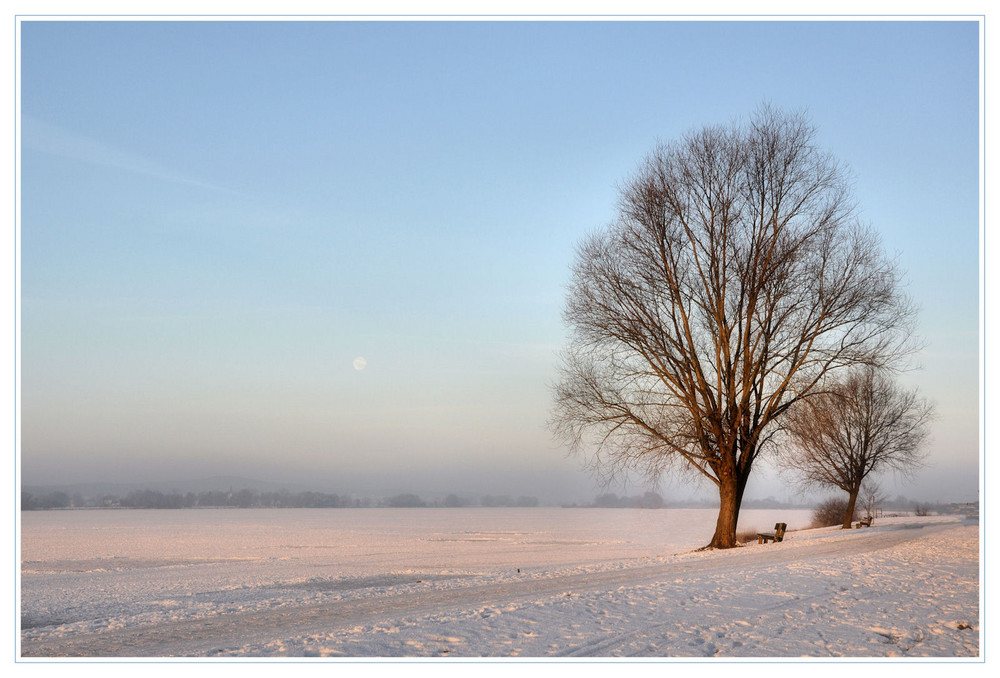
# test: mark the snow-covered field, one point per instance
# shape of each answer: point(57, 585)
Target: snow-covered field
point(490, 583)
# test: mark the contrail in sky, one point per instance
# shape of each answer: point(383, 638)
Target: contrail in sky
point(43, 137)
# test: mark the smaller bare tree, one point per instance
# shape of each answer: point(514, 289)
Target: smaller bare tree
point(860, 426)
point(871, 496)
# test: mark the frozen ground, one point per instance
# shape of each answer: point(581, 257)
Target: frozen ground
point(490, 583)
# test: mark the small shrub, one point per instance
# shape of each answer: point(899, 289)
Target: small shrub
point(744, 536)
point(830, 513)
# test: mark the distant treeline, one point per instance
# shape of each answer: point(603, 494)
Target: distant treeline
point(153, 499)
point(455, 501)
point(650, 500)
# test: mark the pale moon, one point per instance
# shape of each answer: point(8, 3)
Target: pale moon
point(359, 363)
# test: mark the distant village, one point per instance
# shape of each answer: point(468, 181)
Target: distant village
point(247, 498)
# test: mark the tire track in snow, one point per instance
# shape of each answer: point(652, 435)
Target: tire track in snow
point(211, 635)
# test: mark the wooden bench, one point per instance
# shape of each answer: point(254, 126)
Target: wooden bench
point(777, 535)
point(865, 522)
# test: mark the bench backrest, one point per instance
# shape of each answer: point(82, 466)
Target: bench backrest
point(779, 531)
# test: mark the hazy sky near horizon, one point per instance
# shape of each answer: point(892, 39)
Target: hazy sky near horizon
point(219, 219)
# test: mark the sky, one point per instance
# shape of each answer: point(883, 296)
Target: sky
point(334, 254)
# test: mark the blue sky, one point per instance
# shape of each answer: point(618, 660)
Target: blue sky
point(217, 218)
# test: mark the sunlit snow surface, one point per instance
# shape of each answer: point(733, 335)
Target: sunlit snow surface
point(490, 583)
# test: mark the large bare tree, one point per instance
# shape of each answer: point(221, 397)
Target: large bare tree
point(863, 424)
point(735, 278)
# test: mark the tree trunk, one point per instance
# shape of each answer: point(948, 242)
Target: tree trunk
point(730, 498)
point(852, 499)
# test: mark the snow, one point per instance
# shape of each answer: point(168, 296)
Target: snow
point(508, 583)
